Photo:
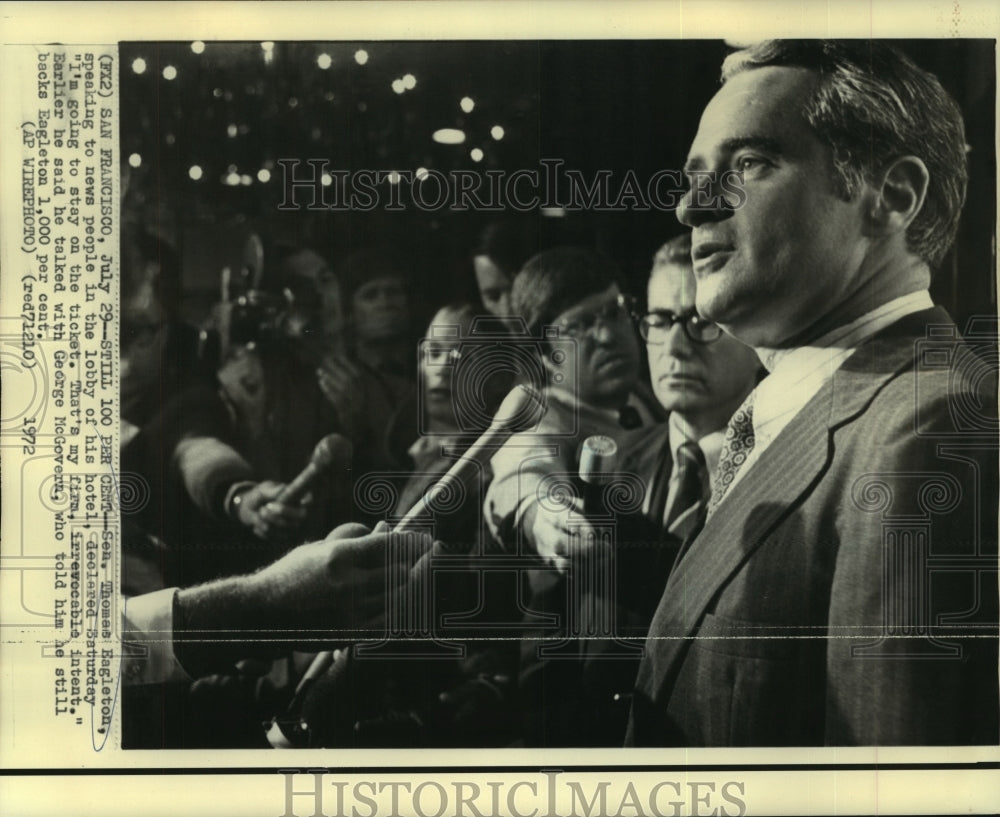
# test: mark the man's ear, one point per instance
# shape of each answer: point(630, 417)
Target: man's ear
point(900, 191)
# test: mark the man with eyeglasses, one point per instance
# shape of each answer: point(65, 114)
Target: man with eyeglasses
point(592, 367)
point(700, 375)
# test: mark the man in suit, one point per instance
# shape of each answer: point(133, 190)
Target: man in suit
point(700, 375)
point(843, 588)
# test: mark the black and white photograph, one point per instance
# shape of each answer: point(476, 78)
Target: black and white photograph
point(618, 406)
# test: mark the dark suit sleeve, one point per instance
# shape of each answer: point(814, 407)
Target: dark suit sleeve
point(916, 576)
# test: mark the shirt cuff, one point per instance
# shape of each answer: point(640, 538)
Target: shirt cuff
point(148, 640)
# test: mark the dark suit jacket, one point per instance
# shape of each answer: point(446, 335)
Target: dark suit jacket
point(837, 594)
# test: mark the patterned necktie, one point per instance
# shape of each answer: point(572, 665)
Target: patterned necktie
point(692, 474)
point(736, 448)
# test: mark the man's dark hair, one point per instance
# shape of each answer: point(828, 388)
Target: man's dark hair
point(509, 243)
point(873, 105)
point(557, 279)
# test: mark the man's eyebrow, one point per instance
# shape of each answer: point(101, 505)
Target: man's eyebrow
point(730, 146)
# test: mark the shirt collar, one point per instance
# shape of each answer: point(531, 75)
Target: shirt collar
point(852, 334)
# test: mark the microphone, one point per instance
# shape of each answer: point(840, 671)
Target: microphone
point(333, 448)
point(521, 409)
point(598, 460)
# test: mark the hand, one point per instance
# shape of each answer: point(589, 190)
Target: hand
point(259, 509)
point(340, 381)
point(560, 536)
point(319, 594)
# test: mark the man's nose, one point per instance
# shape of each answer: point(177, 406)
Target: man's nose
point(704, 202)
point(677, 343)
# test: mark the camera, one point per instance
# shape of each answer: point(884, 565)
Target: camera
point(465, 376)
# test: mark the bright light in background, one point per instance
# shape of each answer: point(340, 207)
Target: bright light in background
point(195, 172)
point(139, 65)
point(232, 179)
point(293, 102)
point(326, 179)
point(553, 212)
point(232, 130)
point(268, 48)
point(393, 177)
point(246, 179)
point(398, 86)
point(324, 61)
point(467, 104)
point(449, 136)
point(170, 139)
point(170, 72)
point(263, 175)
point(497, 132)
point(421, 173)
point(134, 160)
point(476, 154)
point(267, 45)
point(198, 47)
point(361, 56)
point(217, 93)
point(409, 82)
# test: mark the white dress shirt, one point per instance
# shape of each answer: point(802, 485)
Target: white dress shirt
point(796, 375)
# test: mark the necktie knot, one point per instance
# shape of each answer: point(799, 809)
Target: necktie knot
point(736, 447)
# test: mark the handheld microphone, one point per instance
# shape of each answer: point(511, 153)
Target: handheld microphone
point(332, 449)
point(598, 460)
point(521, 409)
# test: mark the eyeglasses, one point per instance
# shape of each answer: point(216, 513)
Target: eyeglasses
point(655, 326)
point(613, 312)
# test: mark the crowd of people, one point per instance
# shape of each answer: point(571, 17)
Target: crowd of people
point(722, 576)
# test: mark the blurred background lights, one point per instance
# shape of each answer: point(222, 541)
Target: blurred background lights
point(195, 172)
point(361, 56)
point(398, 86)
point(263, 175)
point(421, 173)
point(139, 65)
point(198, 47)
point(232, 179)
point(268, 48)
point(409, 82)
point(476, 154)
point(134, 160)
point(324, 61)
point(393, 177)
point(326, 179)
point(217, 93)
point(169, 72)
point(246, 179)
point(497, 132)
point(449, 136)
point(467, 104)
point(232, 130)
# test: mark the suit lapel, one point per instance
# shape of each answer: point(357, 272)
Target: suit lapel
point(766, 494)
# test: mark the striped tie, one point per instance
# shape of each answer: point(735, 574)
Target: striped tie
point(689, 464)
point(738, 444)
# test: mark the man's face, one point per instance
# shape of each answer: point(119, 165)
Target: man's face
point(607, 365)
point(380, 309)
point(494, 286)
point(770, 269)
point(704, 382)
point(437, 367)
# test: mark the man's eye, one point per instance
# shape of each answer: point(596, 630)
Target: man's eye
point(745, 163)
